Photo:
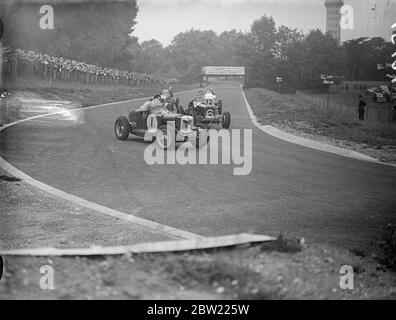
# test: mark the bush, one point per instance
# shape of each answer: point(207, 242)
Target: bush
point(388, 248)
point(285, 245)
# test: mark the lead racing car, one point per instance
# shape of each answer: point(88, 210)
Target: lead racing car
point(207, 111)
point(164, 127)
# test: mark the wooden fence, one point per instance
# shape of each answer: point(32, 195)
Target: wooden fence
point(383, 114)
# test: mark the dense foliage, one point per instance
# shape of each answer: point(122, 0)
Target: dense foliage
point(93, 34)
point(93, 31)
point(268, 51)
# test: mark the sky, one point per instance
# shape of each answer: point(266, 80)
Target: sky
point(164, 19)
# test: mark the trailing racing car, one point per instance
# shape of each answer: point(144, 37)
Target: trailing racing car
point(155, 118)
point(207, 111)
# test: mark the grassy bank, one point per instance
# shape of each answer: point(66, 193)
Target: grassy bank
point(284, 269)
point(290, 112)
point(256, 272)
point(87, 94)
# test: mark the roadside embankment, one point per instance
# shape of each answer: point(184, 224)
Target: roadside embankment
point(296, 116)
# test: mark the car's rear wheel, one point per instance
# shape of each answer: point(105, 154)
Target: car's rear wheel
point(165, 138)
point(226, 122)
point(122, 128)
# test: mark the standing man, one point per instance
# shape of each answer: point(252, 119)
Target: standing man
point(361, 108)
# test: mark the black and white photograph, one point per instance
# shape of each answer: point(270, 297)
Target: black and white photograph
point(197, 156)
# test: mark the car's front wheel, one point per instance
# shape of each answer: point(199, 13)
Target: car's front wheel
point(122, 128)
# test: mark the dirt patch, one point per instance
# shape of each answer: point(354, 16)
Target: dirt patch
point(31, 218)
point(249, 272)
point(293, 115)
point(9, 179)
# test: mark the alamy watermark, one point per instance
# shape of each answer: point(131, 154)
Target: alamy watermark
point(347, 21)
point(224, 147)
point(47, 281)
point(47, 20)
point(347, 278)
point(393, 39)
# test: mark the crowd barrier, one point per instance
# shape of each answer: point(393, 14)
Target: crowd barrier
point(20, 62)
point(384, 114)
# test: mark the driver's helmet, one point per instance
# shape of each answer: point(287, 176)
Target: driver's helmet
point(165, 93)
point(209, 98)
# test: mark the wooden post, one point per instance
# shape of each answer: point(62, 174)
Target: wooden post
point(15, 71)
point(2, 104)
point(328, 99)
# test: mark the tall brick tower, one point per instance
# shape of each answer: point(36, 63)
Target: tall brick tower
point(333, 18)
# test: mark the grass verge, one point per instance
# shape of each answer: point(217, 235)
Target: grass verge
point(291, 113)
point(87, 94)
point(249, 272)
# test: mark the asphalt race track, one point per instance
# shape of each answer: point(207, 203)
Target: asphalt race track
point(323, 197)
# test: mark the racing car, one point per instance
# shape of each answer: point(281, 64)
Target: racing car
point(155, 118)
point(207, 111)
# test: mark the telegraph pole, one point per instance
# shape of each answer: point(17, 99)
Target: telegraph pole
point(2, 103)
point(279, 81)
point(327, 80)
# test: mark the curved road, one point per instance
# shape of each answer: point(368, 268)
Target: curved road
point(323, 197)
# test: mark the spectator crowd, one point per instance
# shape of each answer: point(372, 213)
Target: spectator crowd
point(62, 69)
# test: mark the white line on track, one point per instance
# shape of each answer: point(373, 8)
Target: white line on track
point(158, 227)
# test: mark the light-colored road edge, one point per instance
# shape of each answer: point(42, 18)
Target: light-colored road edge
point(152, 247)
point(157, 227)
point(282, 135)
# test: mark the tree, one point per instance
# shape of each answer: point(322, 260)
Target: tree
point(193, 49)
point(230, 43)
point(322, 55)
point(289, 55)
point(355, 50)
point(362, 56)
point(84, 30)
point(153, 55)
point(262, 43)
